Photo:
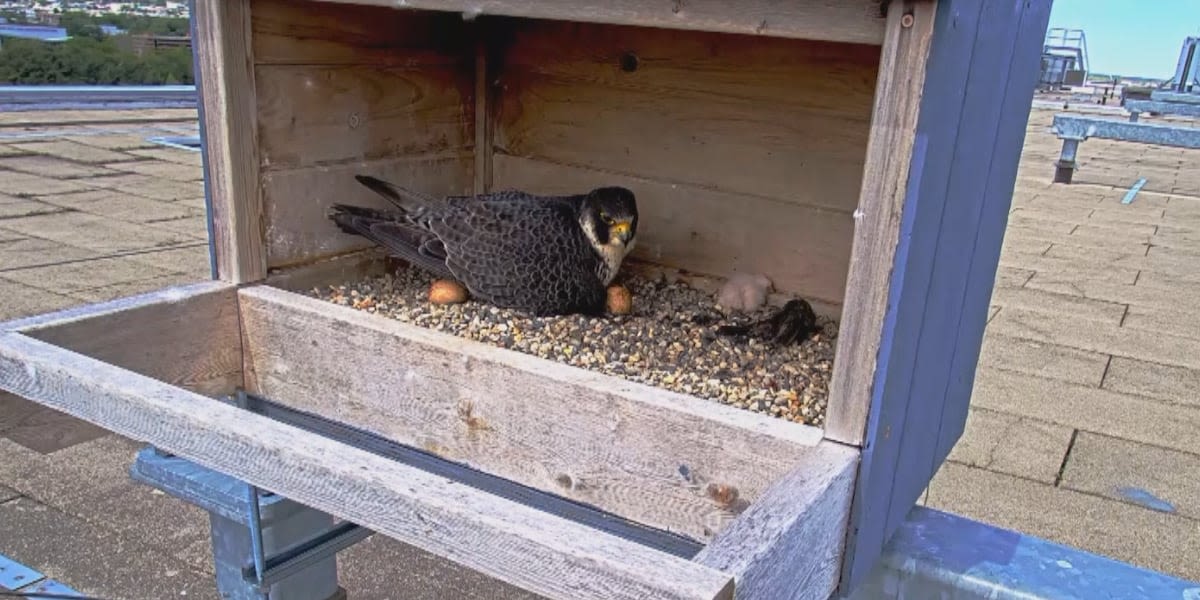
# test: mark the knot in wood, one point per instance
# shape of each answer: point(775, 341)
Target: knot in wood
point(567, 482)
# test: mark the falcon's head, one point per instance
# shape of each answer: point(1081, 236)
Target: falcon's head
point(609, 216)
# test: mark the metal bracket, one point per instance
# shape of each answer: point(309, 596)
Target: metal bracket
point(266, 571)
point(1185, 109)
point(1073, 129)
point(265, 546)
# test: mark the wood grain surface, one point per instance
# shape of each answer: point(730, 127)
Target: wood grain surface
point(643, 453)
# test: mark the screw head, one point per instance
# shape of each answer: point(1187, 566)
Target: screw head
point(906, 20)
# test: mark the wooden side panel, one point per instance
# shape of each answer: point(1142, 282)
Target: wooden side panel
point(856, 21)
point(536, 551)
point(659, 458)
point(757, 145)
point(355, 90)
point(980, 80)
point(788, 545)
point(225, 83)
point(186, 336)
point(891, 153)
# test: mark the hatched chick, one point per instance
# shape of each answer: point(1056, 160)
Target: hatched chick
point(744, 292)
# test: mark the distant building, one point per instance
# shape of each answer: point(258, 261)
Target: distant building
point(45, 33)
point(144, 42)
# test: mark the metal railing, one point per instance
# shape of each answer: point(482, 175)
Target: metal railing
point(92, 97)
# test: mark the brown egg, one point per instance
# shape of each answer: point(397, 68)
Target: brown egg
point(620, 301)
point(444, 291)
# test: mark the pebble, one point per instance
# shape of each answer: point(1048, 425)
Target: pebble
point(667, 341)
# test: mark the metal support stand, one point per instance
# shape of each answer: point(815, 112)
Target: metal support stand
point(1074, 129)
point(1064, 169)
point(265, 547)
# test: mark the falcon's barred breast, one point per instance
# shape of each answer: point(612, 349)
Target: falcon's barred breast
point(546, 255)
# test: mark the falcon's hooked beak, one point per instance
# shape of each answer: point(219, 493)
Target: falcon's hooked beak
point(623, 230)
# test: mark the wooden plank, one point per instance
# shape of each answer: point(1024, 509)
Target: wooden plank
point(640, 452)
point(225, 85)
point(484, 122)
point(756, 147)
point(802, 249)
point(352, 266)
point(186, 336)
point(295, 202)
point(832, 78)
point(890, 151)
point(788, 545)
point(287, 32)
point(855, 21)
point(514, 543)
point(310, 115)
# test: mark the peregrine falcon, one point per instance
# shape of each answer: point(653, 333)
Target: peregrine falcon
point(545, 255)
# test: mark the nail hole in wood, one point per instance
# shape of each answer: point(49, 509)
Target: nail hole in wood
point(629, 62)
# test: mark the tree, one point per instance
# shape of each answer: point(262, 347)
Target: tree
point(86, 60)
point(80, 25)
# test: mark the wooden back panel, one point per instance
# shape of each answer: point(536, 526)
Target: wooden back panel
point(746, 153)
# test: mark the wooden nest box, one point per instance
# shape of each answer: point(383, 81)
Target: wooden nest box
point(861, 155)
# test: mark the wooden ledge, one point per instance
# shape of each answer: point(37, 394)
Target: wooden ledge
point(185, 335)
point(671, 461)
point(770, 497)
point(853, 21)
point(511, 542)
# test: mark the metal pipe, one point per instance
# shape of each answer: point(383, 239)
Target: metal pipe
point(1064, 169)
point(256, 534)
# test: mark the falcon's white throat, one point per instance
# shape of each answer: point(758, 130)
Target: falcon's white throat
point(611, 254)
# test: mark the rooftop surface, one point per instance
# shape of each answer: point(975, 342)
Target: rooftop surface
point(1084, 427)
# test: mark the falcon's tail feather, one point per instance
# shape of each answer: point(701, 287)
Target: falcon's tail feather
point(344, 215)
point(403, 241)
point(405, 199)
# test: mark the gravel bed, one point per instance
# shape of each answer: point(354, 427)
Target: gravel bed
point(667, 341)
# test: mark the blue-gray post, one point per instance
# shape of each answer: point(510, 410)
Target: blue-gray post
point(284, 523)
point(981, 72)
point(231, 551)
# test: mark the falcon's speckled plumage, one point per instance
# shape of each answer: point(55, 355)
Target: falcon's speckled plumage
point(546, 255)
